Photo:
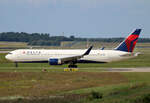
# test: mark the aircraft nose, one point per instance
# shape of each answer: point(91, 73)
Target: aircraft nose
point(8, 57)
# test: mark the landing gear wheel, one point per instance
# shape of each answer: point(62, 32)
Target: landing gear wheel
point(72, 66)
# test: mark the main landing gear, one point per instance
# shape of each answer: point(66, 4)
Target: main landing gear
point(71, 67)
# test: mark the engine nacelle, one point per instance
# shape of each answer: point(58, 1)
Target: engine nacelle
point(55, 61)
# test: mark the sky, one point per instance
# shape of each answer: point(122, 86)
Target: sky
point(81, 18)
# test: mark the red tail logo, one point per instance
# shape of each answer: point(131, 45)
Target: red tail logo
point(129, 43)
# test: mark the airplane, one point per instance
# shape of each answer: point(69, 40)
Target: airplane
point(73, 56)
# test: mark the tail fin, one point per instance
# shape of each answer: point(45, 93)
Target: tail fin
point(129, 43)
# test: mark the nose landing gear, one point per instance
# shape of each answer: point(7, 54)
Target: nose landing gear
point(16, 64)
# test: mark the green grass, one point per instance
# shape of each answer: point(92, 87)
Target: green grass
point(12, 44)
point(53, 82)
point(115, 87)
point(133, 91)
point(75, 87)
point(133, 78)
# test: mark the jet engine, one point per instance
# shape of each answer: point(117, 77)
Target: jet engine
point(55, 61)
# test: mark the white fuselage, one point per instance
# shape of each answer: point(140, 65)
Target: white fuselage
point(33, 55)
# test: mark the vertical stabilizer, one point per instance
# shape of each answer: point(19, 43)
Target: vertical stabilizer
point(129, 43)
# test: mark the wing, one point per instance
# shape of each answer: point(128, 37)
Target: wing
point(73, 58)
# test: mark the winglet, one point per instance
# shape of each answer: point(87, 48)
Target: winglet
point(102, 48)
point(88, 51)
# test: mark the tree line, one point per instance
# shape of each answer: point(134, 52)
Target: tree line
point(42, 39)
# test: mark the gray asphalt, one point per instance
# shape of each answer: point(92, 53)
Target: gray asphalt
point(141, 69)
